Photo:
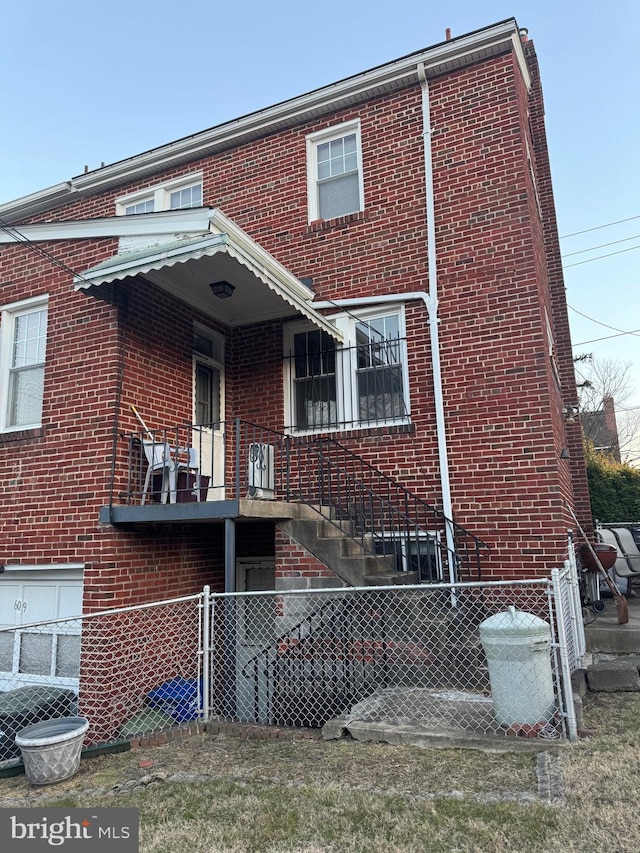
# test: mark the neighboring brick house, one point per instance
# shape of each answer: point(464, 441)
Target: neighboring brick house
point(601, 429)
point(388, 272)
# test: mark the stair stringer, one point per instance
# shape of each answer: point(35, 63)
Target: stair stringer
point(331, 544)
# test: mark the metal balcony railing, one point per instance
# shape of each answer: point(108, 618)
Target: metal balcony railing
point(237, 459)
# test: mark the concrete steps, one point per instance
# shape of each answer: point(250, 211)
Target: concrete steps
point(331, 543)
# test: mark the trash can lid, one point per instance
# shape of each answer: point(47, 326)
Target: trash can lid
point(514, 623)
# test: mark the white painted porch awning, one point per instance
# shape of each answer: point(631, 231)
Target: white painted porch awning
point(181, 266)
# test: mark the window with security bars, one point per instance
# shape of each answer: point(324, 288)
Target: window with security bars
point(412, 551)
point(22, 354)
point(362, 383)
point(335, 172)
point(314, 380)
point(379, 372)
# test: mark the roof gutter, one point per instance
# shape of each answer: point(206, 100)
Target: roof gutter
point(441, 58)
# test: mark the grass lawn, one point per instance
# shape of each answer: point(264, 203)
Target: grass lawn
point(207, 794)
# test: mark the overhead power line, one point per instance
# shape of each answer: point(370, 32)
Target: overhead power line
point(606, 337)
point(636, 333)
point(601, 246)
point(599, 257)
point(21, 238)
point(598, 227)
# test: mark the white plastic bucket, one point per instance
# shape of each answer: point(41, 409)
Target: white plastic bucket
point(51, 749)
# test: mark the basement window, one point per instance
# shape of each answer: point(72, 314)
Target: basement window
point(413, 552)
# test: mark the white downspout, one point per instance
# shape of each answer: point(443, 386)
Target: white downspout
point(430, 300)
point(443, 455)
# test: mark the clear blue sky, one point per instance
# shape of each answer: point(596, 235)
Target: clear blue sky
point(90, 82)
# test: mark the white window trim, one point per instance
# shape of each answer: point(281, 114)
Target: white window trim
point(8, 313)
point(346, 323)
point(317, 138)
point(159, 193)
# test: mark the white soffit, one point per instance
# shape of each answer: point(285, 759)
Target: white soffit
point(437, 59)
point(224, 237)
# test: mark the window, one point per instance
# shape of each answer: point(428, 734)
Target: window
point(335, 172)
point(314, 380)
point(23, 340)
point(413, 551)
point(172, 195)
point(379, 369)
point(186, 197)
point(362, 383)
point(208, 354)
point(146, 206)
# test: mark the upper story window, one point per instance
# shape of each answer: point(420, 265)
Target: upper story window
point(23, 341)
point(361, 384)
point(171, 195)
point(334, 172)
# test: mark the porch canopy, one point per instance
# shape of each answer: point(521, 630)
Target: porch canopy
point(186, 265)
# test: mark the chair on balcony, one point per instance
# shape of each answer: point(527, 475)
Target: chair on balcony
point(169, 461)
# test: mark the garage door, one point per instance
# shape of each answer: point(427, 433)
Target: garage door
point(48, 654)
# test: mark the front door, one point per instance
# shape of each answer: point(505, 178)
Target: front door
point(208, 410)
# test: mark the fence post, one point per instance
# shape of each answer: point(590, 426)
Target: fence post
point(565, 669)
point(577, 622)
point(206, 652)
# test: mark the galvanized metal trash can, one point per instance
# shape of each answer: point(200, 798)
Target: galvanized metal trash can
point(517, 647)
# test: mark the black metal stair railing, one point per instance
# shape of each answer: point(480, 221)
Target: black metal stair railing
point(385, 517)
point(366, 504)
point(319, 667)
point(346, 490)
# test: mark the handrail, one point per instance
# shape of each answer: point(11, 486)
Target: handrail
point(382, 515)
point(410, 495)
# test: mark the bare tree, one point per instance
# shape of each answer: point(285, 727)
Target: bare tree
point(604, 387)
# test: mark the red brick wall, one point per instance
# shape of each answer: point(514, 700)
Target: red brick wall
point(502, 405)
point(294, 561)
point(575, 485)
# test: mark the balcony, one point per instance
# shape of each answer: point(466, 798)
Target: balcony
point(198, 473)
point(237, 470)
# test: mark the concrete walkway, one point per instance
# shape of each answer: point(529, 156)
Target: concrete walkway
point(604, 634)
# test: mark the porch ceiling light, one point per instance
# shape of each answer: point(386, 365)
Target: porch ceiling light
point(222, 289)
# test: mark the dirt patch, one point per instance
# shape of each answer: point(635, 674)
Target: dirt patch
point(346, 765)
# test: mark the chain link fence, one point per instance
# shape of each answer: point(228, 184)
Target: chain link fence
point(430, 653)
point(130, 672)
point(492, 658)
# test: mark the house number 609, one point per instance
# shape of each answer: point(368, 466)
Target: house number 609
point(19, 605)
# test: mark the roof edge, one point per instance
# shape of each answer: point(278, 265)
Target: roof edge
point(437, 59)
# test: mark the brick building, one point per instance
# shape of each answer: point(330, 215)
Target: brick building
point(350, 300)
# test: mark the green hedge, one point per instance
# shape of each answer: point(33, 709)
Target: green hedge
point(614, 488)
